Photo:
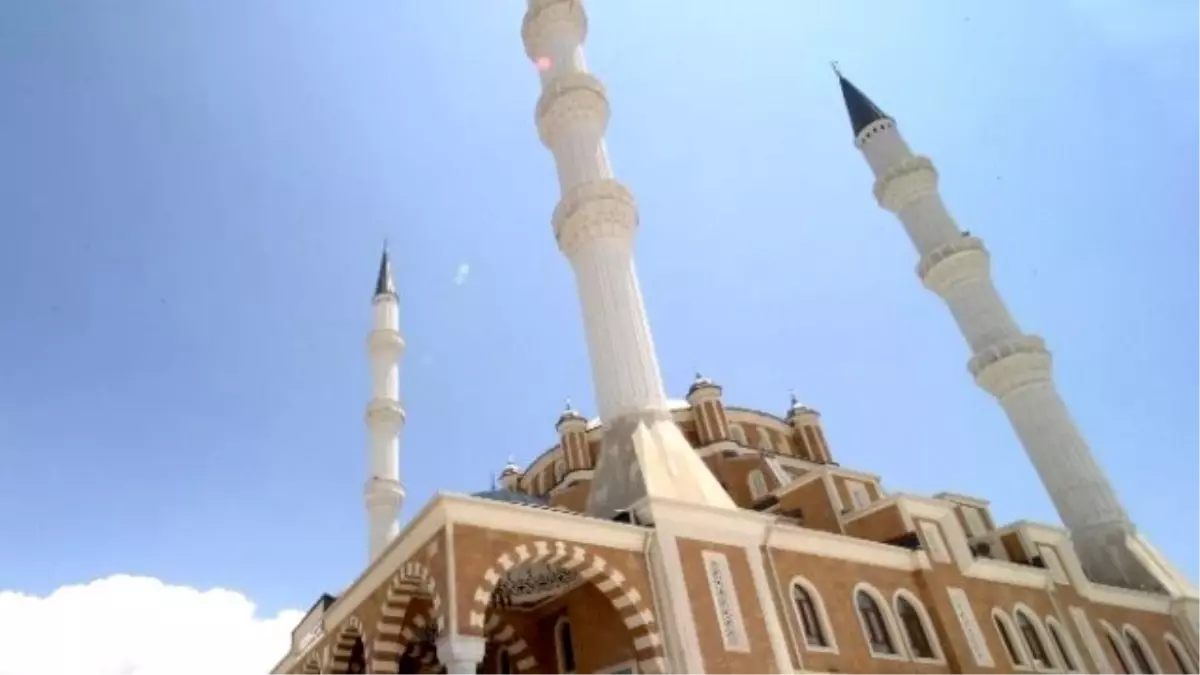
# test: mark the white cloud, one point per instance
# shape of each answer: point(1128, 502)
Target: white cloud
point(460, 275)
point(125, 624)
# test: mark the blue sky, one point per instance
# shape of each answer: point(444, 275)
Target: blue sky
point(194, 195)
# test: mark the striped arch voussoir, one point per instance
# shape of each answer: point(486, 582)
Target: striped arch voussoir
point(505, 636)
point(634, 610)
point(340, 656)
point(390, 637)
point(312, 664)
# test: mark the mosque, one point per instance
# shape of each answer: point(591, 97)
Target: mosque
point(696, 536)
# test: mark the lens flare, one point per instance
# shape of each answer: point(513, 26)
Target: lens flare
point(542, 63)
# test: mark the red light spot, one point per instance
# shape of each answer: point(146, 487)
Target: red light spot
point(542, 63)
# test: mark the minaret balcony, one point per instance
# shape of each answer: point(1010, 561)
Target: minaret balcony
point(1004, 367)
point(385, 342)
point(909, 180)
point(594, 210)
point(573, 103)
point(950, 265)
point(385, 412)
point(556, 20)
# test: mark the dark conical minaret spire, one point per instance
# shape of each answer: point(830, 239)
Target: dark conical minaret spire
point(862, 110)
point(384, 284)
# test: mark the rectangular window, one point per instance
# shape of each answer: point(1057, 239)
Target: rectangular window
point(975, 525)
point(858, 494)
point(970, 628)
point(725, 600)
point(1053, 563)
point(934, 542)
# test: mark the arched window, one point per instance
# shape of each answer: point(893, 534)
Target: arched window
point(874, 624)
point(914, 629)
point(1183, 662)
point(505, 662)
point(1140, 652)
point(1115, 645)
point(1064, 652)
point(1003, 627)
point(1033, 641)
point(737, 434)
point(757, 483)
point(560, 470)
point(811, 623)
point(764, 440)
point(564, 645)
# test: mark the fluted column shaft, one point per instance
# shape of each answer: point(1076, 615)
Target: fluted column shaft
point(596, 218)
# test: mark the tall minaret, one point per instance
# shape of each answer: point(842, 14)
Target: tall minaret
point(643, 451)
point(1010, 365)
point(383, 493)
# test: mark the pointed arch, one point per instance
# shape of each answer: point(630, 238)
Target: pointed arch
point(411, 579)
point(635, 611)
point(1117, 646)
point(916, 627)
point(1068, 654)
point(350, 632)
point(1139, 649)
point(1033, 636)
point(815, 628)
point(1009, 638)
point(1183, 658)
point(879, 627)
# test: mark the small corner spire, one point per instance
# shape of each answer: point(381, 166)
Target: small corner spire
point(383, 283)
point(792, 393)
point(862, 110)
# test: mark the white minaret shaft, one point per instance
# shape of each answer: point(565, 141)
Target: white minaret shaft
point(596, 219)
point(383, 494)
point(1010, 365)
point(595, 223)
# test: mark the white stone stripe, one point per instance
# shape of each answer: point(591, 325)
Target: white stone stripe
point(655, 665)
point(527, 664)
point(647, 641)
point(505, 634)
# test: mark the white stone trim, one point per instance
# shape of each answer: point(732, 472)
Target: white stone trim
point(1118, 641)
point(736, 638)
point(631, 666)
point(678, 602)
point(762, 588)
point(1169, 640)
point(1091, 641)
point(976, 642)
point(1018, 657)
point(1008, 573)
point(1131, 631)
point(1068, 642)
point(758, 488)
point(962, 499)
point(935, 542)
point(822, 616)
point(939, 656)
point(841, 547)
point(889, 618)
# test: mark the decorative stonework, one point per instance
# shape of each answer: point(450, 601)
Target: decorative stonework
point(634, 610)
point(533, 582)
point(968, 258)
point(351, 630)
point(312, 664)
point(911, 179)
point(970, 628)
point(552, 19)
point(725, 600)
point(519, 651)
point(594, 210)
point(390, 641)
point(1002, 368)
point(572, 103)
